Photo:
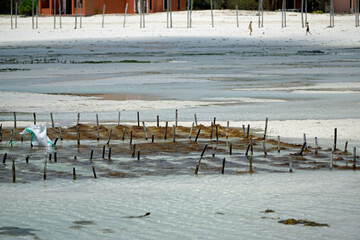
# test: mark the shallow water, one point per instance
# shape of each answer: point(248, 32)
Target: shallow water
point(210, 207)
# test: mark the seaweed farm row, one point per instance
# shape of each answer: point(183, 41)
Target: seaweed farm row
point(124, 151)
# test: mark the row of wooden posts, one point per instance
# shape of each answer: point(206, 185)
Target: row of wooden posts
point(143, 9)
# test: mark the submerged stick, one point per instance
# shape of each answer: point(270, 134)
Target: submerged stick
point(223, 166)
point(198, 163)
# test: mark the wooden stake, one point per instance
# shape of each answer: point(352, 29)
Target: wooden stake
point(146, 137)
point(166, 126)
point(152, 138)
point(119, 119)
point(266, 125)
point(230, 147)
point(227, 129)
point(103, 152)
point(78, 136)
point(103, 17)
point(133, 150)
point(13, 170)
point(74, 174)
point(109, 155)
point(335, 138)
point(174, 132)
point(44, 177)
point(212, 14)
point(157, 121)
point(346, 144)
point(217, 133)
point(243, 128)
point(248, 131)
point(91, 155)
point(138, 119)
point(34, 118)
point(251, 157)
point(93, 167)
point(126, 8)
point(78, 119)
point(354, 160)
point(14, 120)
point(27, 159)
point(50, 155)
point(223, 166)
point(196, 123)
point(108, 142)
point(191, 130)
point(197, 135)
point(61, 136)
point(290, 165)
point(211, 131)
point(316, 145)
point(198, 163)
point(97, 127)
point(302, 149)
point(138, 155)
point(264, 147)
point(176, 117)
point(123, 136)
point(131, 136)
point(52, 120)
point(56, 141)
point(237, 16)
point(0, 132)
point(305, 142)
point(55, 157)
point(278, 144)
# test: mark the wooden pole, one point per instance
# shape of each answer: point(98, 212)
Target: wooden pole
point(278, 148)
point(171, 25)
point(237, 16)
point(97, 127)
point(316, 145)
point(76, 13)
point(195, 119)
point(305, 142)
point(157, 121)
point(166, 126)
point(167, 13)
point(264, 147)
point(346, 144)
point(16, 13)
point(109, 154)
point(103, 17)
point(0, 132)
point(78, 136)
point(54, 7)
point(4, 158)
point(174, 133)
point(138, 119)
point(52, 120)
point(93, 168)
point(197, 135)
point(123, 135)
point(251, 157)
point(146, 137)
point(133, 150)
point(44, 176)
point(191, 130)
point(243, 128)
point(32, 13)
point(217, 133)
point(37, 17)
point(126, 8)
point(61, 136)
point(108, 142)
point(27, 159)
point(138, 155)
point(223, 166)
point(74, 174)
point(118, 118)
point(198, 163)
point(211, 130)
point(34, 118)
point(227, 129)
point(60, 14)
point(176, 117)
point(81, 15)
point(302, 14)
point(91, 154)
point(55, 157)
point(266, 126)
point(212, 14)
point(13, 170)
point(335, 138)
point(131, 136)
point(248, 131)
point(354, 160)
point(230, 149)
point(103, 152)
point(14, 119)
point(78, 119)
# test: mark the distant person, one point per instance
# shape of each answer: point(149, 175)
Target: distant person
point(307, 28)
point(250, 27)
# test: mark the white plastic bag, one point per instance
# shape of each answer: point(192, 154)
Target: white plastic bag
point(38, 136)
